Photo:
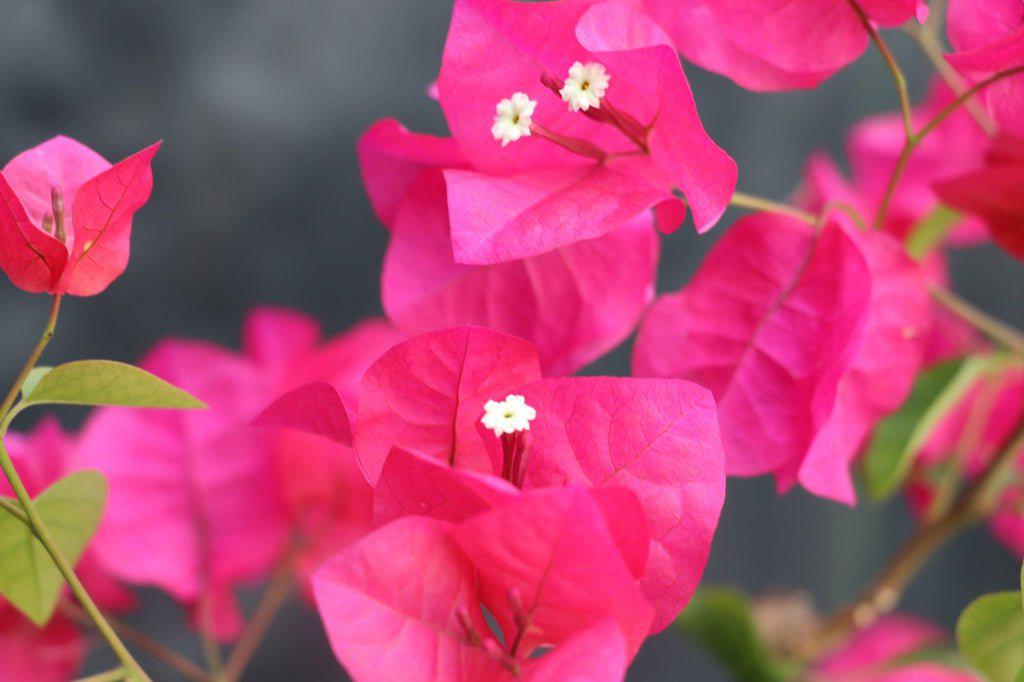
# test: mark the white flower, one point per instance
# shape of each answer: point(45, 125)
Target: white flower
point(508, 416)
point(585, 86)
point(513, 118)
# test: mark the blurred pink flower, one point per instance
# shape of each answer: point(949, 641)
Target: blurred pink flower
point(874, 655)
point(988, 36)
point(66, 216)
point(769, 45)
point(53, 653)
point(993, 194)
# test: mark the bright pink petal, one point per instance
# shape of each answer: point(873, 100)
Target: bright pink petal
point(390, 604)
point(326, 497)
point(314, 408)
point(883, 369)
point(1007, 527)
point(976, 23)
point(770, 323)
point(428, 394)
point(411, 483)
point(594, 655)
point(658, 438)
point(392, 159)
point(29, 654)
point(193, 506)
point(535, 195)
point(996, 195)
point(31, 258)
point(574, 303)
point(554, 548)
point(502, 218)
point(890, 638)
point(698, 35)
point(278, 338)
point(59, 163)
point(989, 37)
point(102, 213)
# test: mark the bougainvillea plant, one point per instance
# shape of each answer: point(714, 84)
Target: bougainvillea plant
point(437, 485)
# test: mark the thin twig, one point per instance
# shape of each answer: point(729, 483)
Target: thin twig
point(894, 68)
point(885, 592)
point(748, 201)
point(275, 596)
point(115, 675)
point(914, 140)
point(12, 508)
point(990, 326)
point(165, 655)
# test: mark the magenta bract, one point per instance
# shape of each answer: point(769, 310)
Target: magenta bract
point(76, 241)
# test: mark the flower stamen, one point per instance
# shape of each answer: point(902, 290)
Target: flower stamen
point(513, 117)
point(585, 86)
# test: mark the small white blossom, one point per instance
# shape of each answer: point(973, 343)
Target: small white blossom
point(513, 118)
point(508, 416)
point(585, 86)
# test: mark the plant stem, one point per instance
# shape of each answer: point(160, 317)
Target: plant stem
point(894, 68)
point(929, 43)
point(913, 140)
point(275, 596)
point(131, 667)
point(884, 593)
point(753, 203)
point(165, 655)
point(115, 675)
point(37, 352)
point(12, 508)
point(990, 326)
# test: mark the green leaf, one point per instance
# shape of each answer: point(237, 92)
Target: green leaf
point(103, 382)
point(71, 509)
point(898, 437)
point(719, 618)
point(990, 634)
point(926, 235)
point(32, 380)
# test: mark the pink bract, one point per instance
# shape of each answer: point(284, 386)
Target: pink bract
point(764, 45)
point(575, 302)
point(993, 193)
point(53, 653)
point(405, 602)
point(770, 323)
point(874, 655)
point(428, 394)
point(99, 201)
point(988, 36)
point(535, 195)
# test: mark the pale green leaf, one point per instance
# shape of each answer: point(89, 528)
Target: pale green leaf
point(103, 382)
point(929, 232)
point(990, 634)
point(898, 438)
point(33, 379)
point(71, 509)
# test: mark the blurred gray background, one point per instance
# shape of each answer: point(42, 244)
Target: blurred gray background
point(258, 200)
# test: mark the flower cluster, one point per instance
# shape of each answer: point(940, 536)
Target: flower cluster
point(457, 505)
